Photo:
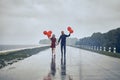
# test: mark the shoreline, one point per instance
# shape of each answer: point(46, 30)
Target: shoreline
point(20, 48)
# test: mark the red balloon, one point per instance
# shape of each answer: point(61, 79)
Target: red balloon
point(49, 35)
point(50, 32)
point(71, 31)
point(69, 28)
point(45, 32)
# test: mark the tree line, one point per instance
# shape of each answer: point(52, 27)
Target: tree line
point(108, 39)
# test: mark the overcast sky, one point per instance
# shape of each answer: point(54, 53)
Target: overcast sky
point(23, 21)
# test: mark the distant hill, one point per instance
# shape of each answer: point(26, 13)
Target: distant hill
point(70, 41)
point(109, 39)
point(44, 41)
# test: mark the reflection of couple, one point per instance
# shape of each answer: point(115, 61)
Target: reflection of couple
point(52, 73)
point(62, 38)
point(53, 69)
point(63, 67)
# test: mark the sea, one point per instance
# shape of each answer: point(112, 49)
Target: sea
point(11, 47)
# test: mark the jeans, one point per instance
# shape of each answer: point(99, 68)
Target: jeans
point(63, 48)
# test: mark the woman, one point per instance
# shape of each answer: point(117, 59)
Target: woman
point(53, 44)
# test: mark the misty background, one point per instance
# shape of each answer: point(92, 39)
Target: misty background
point(23, 21)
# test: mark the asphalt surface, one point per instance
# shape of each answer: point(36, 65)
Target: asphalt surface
point(78, 65)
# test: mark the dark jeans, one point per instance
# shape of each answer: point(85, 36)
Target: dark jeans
point(63, 48)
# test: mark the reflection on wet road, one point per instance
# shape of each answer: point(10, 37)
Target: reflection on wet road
point(77, 65)
point(53, 66)
point(63, 68)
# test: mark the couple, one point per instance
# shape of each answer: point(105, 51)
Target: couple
point(62, 38)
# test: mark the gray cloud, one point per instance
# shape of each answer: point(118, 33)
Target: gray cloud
point(23, 21)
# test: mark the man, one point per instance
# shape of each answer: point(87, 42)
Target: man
point(62, 38)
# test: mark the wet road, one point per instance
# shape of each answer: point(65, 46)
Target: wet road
point(78, 65)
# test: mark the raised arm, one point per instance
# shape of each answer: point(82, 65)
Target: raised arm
point(68, 35)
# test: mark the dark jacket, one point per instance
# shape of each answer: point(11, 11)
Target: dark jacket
point(62, 38)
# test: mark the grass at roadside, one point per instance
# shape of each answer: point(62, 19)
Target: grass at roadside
point(111, 54)
point(14, 56)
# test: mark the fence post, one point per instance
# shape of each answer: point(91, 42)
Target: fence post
point(97, 48)
point(94, 47)
point(100, 48)
point(109, 49)
point(104, 49)
point(114, 51)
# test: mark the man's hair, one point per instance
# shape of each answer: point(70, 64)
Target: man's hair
point(62, 32)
